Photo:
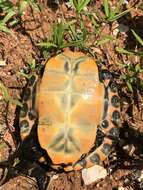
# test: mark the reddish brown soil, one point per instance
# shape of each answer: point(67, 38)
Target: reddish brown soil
point(17, 50)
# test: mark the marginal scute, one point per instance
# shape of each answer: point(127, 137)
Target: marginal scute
point(106, 148)
point(114, 133)
point(104, 75)
point(32, 80)
point(23, 111)
point(95, 158)
point(105, 124)
point(113, 87)
point(24, 125)
point(27, 94)
point(116, 117)
point(83, 163)
point(115, 101)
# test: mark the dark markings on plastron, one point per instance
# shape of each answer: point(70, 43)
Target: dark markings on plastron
point(23, 110)
point(24, 125)
point(56, 140)
point(62, 147)
point(75, 69)
point(106, 148)
point(67, 150)
point(72, 140)
point(63, 99)
point(59, 147)
point(116, 117)
point(32, 80)
point(66, 66)
point(95, 159)
point(27, 94)
point(60, 143)
point(115, 101)
point(78, 61)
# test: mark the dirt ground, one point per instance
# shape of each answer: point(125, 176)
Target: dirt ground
point(125, 163)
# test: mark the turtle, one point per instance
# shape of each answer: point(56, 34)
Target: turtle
point(77, 108)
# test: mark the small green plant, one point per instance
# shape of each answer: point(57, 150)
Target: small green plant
point(8, 13)
point(22, 5)
point(113, 14)
point(6, 97)
point(79, 4)
point(138, 38)
point(6, 6)
point(131, 52)
point(5, 20)
point(104, 40)
point(61, 31)
point(57, 38)
point(92, 19)
point(132, 77)
point(32, 66)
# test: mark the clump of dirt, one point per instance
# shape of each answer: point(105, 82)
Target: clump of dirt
point(21, 183)
point(38, 24)
point(17, 50)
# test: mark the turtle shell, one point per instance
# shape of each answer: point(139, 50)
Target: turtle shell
point(70, 104)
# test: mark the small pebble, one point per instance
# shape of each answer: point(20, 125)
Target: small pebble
point(93, 174)
point(2, 63)
point(55, 177)
point(140, 179)
point(123, 28)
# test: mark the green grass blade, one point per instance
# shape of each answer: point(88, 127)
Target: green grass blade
point(112, 14)
point(82, 5)
point(6, 95)
point(8, 16)
point(106, 8)
point(116, 17)
point(47, 44)
point(118, 7)
point(104, 40)
point(74, 3)
point(58, 34)
point(3, 28)
point(138, 38)
point(22, 6)
point(92, 19)
point(129, 86)
point(121, 50)
point(73, 32)
point(6, 5)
